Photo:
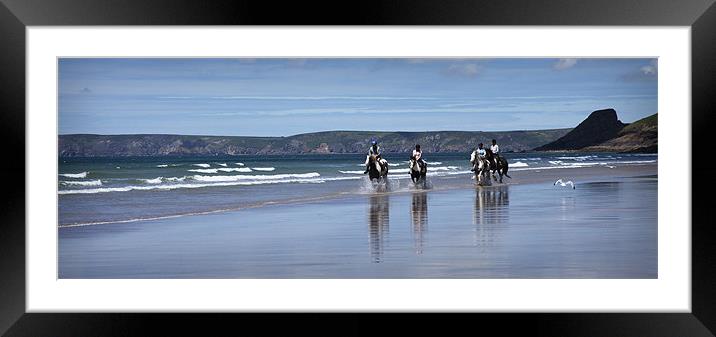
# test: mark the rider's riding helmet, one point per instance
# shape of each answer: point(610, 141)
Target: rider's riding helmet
point(479, 145)
point(417, 147)
point(494, 141)
point(373, 142)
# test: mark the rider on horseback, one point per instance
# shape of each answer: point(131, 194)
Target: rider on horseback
point(478, 154)
point(416, 158)
point(373, 150)
point(495, 150)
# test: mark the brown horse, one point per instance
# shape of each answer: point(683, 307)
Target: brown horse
point(497, 165)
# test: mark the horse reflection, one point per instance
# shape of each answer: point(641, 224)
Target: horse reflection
point(491, 204)
point(491, 208)
point(378, 221)
point(419, 216)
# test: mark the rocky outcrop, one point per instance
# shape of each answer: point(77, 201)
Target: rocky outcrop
point(599, 127)
point(640, 136)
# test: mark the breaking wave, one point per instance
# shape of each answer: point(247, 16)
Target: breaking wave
point(74, 175)
point(82, 183)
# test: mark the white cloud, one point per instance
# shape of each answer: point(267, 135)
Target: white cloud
point(467, 70)
point(563, 64)
point(651, 69)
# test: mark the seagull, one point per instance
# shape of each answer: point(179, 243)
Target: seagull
point(564, 183)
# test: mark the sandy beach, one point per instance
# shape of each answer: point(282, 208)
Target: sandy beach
point(524, 228)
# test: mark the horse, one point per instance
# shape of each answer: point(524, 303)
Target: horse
point(377, 169)
point(497, 165)
point(481, 166)
point(418, 171)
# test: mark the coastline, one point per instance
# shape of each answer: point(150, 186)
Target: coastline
point(519, 176)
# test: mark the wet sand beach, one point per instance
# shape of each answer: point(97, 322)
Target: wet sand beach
point(525, 228)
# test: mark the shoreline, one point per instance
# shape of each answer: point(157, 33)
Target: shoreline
point(445, 183)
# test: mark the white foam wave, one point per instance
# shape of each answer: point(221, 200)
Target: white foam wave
point(83, 183)
point(175, 179)
point(162, 165)
point(157, 180)
point(75, 175)
point(256, 177)
point(202, 165)
point(179, 186)
point(265, 169)
point(351, 172)
point(576, 157)
point(222, 164)
point(434, 162)
point(240, 164)
point(222, 169)
point(205, 170)
point(518, 164)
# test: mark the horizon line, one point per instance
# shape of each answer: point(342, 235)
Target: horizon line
point(299, 134)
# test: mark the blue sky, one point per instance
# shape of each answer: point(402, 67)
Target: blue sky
point(281, 97)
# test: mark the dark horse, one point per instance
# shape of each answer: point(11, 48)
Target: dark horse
point(377, 169)
point(497, 165)
point(418, 170)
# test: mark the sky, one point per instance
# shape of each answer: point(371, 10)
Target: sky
point(282, 97)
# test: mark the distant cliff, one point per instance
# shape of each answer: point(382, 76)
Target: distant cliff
point(603, 132)
point(87, 145)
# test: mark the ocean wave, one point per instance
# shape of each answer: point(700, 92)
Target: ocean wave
point(202, 165)
point(222, 169)
point(256, 177)
point(82, 183)
point(235, 169)
point(221, 164)
point(162, 165)
point(180, 186)
point(157, 180)
point(518, 164)
point(351, 172)
point(75, 175)
point(576, 157)
point(240, 164)
point(433, 162)
point(265, 169)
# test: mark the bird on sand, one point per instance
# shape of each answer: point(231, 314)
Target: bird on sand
point(564, 184)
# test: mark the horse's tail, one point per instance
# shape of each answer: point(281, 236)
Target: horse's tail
point(507, 167)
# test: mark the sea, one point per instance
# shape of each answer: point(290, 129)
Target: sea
point(99, 191)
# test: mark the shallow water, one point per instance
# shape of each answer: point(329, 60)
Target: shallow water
point(100, 190)
point(605, 228)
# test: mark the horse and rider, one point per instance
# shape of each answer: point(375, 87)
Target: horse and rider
point(418, 167)
point(375, 166)
point(485, 161)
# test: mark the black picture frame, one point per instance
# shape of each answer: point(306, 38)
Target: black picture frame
point(16, 15)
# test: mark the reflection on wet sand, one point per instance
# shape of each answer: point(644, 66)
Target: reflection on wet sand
point(419, 216)
point(491, 208)
point(378, 222)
